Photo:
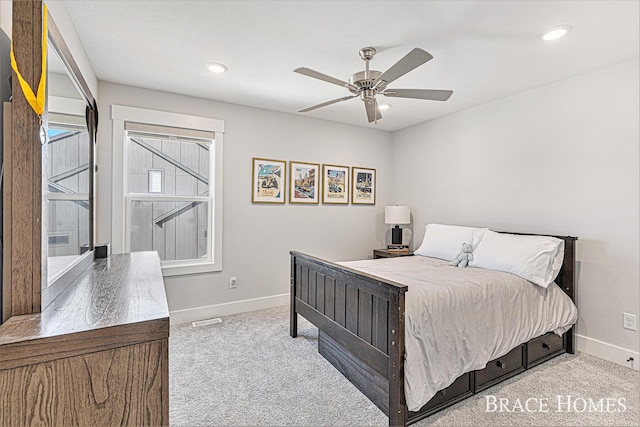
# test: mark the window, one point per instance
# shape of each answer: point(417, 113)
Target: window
point(68, 182)
point(171, 190)
point(173, 220)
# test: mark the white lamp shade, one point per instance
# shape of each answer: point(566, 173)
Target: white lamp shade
point(397, 215)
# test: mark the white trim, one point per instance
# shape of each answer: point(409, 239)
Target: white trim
point(164, 118)
point(118, 185)
point(216, 199)
point(229, 308)
point(119, 235)
point(608, 351)
point(187, 267)
point(63, 105)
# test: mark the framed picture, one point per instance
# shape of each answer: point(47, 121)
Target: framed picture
point(363, 186)
point(268, 181)
point(335, 184)
point(303, 187)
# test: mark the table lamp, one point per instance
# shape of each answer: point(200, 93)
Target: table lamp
point(397, 215)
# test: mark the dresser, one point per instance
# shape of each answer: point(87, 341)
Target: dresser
point(98, 355)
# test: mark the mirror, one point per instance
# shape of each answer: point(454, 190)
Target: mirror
point(68, 165)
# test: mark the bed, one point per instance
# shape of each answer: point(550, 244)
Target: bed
point(362, 330)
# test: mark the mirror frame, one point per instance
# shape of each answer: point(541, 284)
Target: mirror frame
point(51, 290)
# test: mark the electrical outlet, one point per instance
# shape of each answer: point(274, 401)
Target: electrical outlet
point(233, 282)
point(629, 321)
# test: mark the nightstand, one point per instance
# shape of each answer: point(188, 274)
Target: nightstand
point(386, 253)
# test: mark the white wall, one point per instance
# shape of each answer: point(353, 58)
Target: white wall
point(6, 11)
point(257, 238)
point(562, 159)
point(58, 11)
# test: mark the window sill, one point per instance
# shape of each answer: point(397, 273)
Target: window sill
point(194, 268)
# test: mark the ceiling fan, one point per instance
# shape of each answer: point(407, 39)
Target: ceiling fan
point(369, 83)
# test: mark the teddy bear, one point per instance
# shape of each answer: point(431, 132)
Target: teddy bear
point(464, 256)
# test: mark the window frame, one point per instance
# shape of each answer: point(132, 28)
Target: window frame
point(120, 197)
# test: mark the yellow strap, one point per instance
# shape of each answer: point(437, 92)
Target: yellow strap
point(36, 102)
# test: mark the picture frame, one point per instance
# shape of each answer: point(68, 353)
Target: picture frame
point(268, 181)
point(303, 185)
point(335, 184)
point(363, 186)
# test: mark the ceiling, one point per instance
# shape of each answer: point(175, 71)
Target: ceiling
point(483, 50)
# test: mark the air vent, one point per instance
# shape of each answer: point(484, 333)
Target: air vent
point(206, 322)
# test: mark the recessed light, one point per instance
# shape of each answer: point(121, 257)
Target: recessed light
point(556, 32)
point(216, 67)
point(384, 106)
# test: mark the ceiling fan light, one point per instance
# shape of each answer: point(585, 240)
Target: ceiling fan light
point(369, 83)
point(216, 67)
point(556, 32)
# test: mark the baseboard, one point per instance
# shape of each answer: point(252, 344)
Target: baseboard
point(608, 352)
point(587, 345)
point(226, 309)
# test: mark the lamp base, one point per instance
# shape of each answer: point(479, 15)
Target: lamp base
point(396, 235)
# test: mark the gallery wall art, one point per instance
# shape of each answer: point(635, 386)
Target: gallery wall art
point(308, 183)
point(268, 181)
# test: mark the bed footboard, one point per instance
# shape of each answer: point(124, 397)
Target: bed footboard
point(360, 319)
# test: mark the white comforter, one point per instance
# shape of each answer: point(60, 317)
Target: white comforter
point(458, 319)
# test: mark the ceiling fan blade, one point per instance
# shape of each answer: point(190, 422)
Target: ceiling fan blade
point(373, 112)
point(432, 94)
point(320, 76)
point(412, 60)
point(324, 104)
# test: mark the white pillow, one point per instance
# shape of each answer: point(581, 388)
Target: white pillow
point(535, 258)
point(445, 241)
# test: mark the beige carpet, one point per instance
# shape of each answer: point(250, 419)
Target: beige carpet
point(248, 371)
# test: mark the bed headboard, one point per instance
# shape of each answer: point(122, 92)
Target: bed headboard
point(566, 276)
point(566, 279)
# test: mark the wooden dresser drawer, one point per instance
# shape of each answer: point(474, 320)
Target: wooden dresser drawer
point(459, 388)
point(544, 347)
point(507, 365)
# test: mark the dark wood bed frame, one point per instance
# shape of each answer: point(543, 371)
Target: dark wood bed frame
point(360, 320)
